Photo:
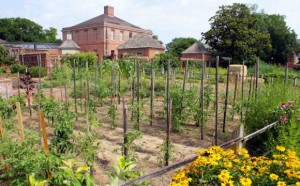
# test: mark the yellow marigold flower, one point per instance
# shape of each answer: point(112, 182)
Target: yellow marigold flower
point(243, 152)
point(274, 177)
point(280, 148)
point(297, 183)
point(228, 183)
point(281, 183)
point(290, 173)
point(245, 169)
point(224, 176)
point(245, 181)
point(228, 164)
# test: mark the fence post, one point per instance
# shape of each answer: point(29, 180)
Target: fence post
point(217, 101)
point(240, 135)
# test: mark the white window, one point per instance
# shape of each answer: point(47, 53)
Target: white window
point(112, 35)
point(121, 36)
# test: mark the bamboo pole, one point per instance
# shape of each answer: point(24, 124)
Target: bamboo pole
point(1, 129)
point(226, 96)
point(152, 93)
point(119, 88)
point(202, 98)
point(44, 133)
point(125, 128)
point(51, 80)
point(20, 122)
point(217, 101)
point(167, 155)
point(86, 105)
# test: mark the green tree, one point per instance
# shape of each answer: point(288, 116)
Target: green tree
point(161, 60)
point(5, 59)
point(157, 39)
point(51, 34)
point(235, 33)
point(22, 29)
point(178, 45)
point(283, 38)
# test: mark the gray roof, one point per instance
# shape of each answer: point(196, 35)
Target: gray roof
point(141, 41)
point(38, 46)
point(101, 19)
point(196, 48)
point(69, 44)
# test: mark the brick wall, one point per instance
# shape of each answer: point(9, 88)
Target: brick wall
point(147, 52)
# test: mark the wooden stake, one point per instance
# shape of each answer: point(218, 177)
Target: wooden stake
point(257, 76)
point(87, 80)
point(19, 84)
point(202, 97)
point(152, 93)
point(217, 101)
point(20, 122)
point(1, 129)
point(138, 95)
point(133, 89)
point(75, 94)
point(235, 93)
point(226, 96)
point(167, 155)
point(183, 88)
point(125, 128)
point(242, 101)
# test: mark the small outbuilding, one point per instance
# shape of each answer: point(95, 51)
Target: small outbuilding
point(69, 46)
point(198, 51)
point(141, 45)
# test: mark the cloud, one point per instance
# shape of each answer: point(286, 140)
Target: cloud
point(167, 19)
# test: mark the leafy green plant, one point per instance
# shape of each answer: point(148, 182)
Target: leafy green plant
point(15, 68)
point(124, 171)
point(163, 150)
point(34, 71)
point(63, 130)
point(112, 115)
point(34, 182)
point(131, 136)
point(73, 174)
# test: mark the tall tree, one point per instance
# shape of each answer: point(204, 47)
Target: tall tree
point(178, 45)
point(22, 29)
point(283, 38)
point(235, 33)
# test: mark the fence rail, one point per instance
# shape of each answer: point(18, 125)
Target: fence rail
point(172, 167)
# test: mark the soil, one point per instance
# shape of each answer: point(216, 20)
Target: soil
point(147, 150)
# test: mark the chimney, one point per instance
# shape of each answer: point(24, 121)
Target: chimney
point(109, 10)
point(69, 36)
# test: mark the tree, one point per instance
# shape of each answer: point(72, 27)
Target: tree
point(283, 38)
point(156, 38)
point(161, 60)
point(235, 33)
point(51, 34)
point(178, 45)
point(5, 59)
point(25, 30)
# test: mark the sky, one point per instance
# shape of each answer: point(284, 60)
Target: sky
point(166, 18)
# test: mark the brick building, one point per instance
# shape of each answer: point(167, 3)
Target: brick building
point(141, 45)
point(103, 34)
point(197, 51)
point(28, 53)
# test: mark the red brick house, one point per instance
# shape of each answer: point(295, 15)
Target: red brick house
point(196, 52)
point(103, 34)
point(141, 45)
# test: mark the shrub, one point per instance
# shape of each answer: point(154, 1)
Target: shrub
point(34, 71)
point(15, 68)
point(217, 166)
